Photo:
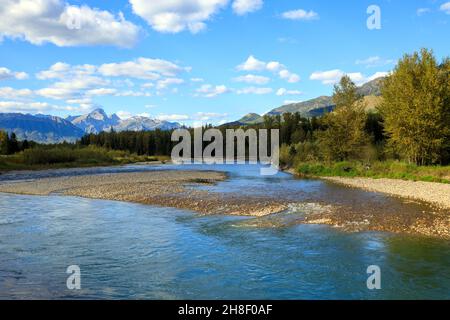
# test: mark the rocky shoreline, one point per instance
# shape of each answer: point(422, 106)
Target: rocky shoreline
point(162, 188)
point(176, 188)
point(433, 193)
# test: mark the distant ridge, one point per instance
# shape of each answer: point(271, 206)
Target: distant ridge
point(40, 128)
point(317, 106)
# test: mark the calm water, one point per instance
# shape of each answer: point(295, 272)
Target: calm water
point(134, 251)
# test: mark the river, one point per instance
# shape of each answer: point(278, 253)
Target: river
point(132, 251)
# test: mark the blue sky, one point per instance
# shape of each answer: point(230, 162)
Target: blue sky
point(198, 61)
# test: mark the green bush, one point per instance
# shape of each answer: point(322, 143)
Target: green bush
point(39, 156)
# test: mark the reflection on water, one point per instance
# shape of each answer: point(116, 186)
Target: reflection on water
point(135, 251)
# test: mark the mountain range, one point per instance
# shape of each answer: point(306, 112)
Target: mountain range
point(371, 91)
point(52, 129)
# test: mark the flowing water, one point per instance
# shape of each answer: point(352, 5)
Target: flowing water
point(132, 251)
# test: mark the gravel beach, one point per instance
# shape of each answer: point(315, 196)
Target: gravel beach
point(174, 188)
point(163, 188)
point(436, 194)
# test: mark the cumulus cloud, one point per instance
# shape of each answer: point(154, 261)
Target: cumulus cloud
point(34, 107)
point(253, 64)
point(241, 7)
point(61, 70)
point(288, 76)
point(210, 91)
point(445, 7)
point(58, 22)
point(207, 116)
point(172, 117)
point(101, 92)
point(285, 92)
point(300, 14)
point(334, 76)
point(174, 16)
point(251, 78)
point(141, 68)
point(6, 74)
point(11, 93)
point(254, 90)
point(163, 84)
point(73, 88)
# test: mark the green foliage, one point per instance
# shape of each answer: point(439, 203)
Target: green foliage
point(344, 136)
point(416, 108)
point(378, 169)
point(3, 142)
point(66, 155)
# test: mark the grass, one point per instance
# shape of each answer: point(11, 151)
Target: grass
point(69, 157)
point(376, 170)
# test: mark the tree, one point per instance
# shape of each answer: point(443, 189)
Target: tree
point(344, 136)
point(4, 142)
point(416, 108)
point(13, 144)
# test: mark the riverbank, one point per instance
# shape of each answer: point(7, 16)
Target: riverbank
point(435, 194)
point(57, 157)
point(378, 169)
point(162, 188)
point(340, 207)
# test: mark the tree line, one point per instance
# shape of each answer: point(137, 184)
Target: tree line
point(411, 123)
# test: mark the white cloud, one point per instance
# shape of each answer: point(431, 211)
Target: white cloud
point(11, 93)
point(163, 84)
point(251, 78)
point(172, 117)
point(288, 76)
point(241, 7)
point(445, 7)
point(6, 74)
point(62, 24)
point(300, 14)
point(132, 93)
point(61, 70)
point(101, 92)
point(334, 76)
point(210, 91)
point(254, 90)
point(206, 116)
point(72, 88)
point(274, 66)
point(285, 92)
point(34, 107)
point(197, 79)
point(141, 68)
point(327, 77)
point(253, 64)
point(177, 15)
point(377, 75)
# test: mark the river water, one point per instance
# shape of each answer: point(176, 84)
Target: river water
point(132, 251)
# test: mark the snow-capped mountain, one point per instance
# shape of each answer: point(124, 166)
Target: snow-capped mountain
point(95, 121)
point(51, 129)
point(139, 123)
point(98, 121)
